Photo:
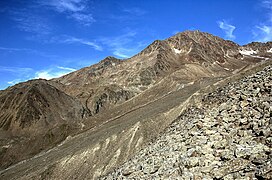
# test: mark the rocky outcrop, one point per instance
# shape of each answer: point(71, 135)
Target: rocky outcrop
point(260, 47)
point(105, 97)
point(226, 136)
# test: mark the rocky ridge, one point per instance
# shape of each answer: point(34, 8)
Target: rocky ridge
point(114, 90)
point(227, 135)
point(96, 86)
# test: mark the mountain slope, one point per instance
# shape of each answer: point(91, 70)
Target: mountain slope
point(113, 81)
point(105, 147)
point(35, 115)
point(227, 135)
point(111, 99)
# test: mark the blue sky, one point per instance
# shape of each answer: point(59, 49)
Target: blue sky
point(49, 38)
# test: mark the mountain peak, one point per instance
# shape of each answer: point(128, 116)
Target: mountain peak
point(157, 45)
point(114, 87)
point(110, 58)
point(35, 99)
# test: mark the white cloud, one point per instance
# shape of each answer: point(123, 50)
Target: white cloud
point(227, 28)
point(263, 31)
point(29, 51)
point(17, 70)
point(267, 4)
point(15, 81)
point(135, 11)
point(67, 5)
point(45, 74)
point(122, 46)
point(84, 19)
point(24, 74)
point(53, 72)
point(127, 14)
point(81, 41)
point(66, 68)
point(77, 10)
point(29, 22)
point(13, 49)
point(122, 53)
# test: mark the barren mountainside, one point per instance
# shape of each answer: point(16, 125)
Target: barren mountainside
point(34, 116)
point(104, 113)
point(113, 81)
point(226, 135)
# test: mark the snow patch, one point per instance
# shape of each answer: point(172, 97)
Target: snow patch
point(247, 52)
point(177, 51)
point(258, 57)
point(270, 50)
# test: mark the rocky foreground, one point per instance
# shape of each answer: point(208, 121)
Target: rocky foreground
point(226, 136)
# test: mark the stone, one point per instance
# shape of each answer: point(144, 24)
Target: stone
point(244, 103)
point(225, 138)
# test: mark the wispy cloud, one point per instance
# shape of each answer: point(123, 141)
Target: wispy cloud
point(84, 19)
point(16, 70)
point(66, 68)
point(13, 49)
point(263, 31)
point(77, 10)
point(15, 81)
point(20, 74)
point(23, 74)
point(31, 17)
point(53, 72)
point(29, 22)
point(71, 40)
point(127, 15)
point(267, 4)
point(122, 46)
point(29, 51)
point(135, 11)
point(227, 28)
point(66, 5)
point(123, 52)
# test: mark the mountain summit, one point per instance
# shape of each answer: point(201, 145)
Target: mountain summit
point(113, 81)
point(115, 106)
